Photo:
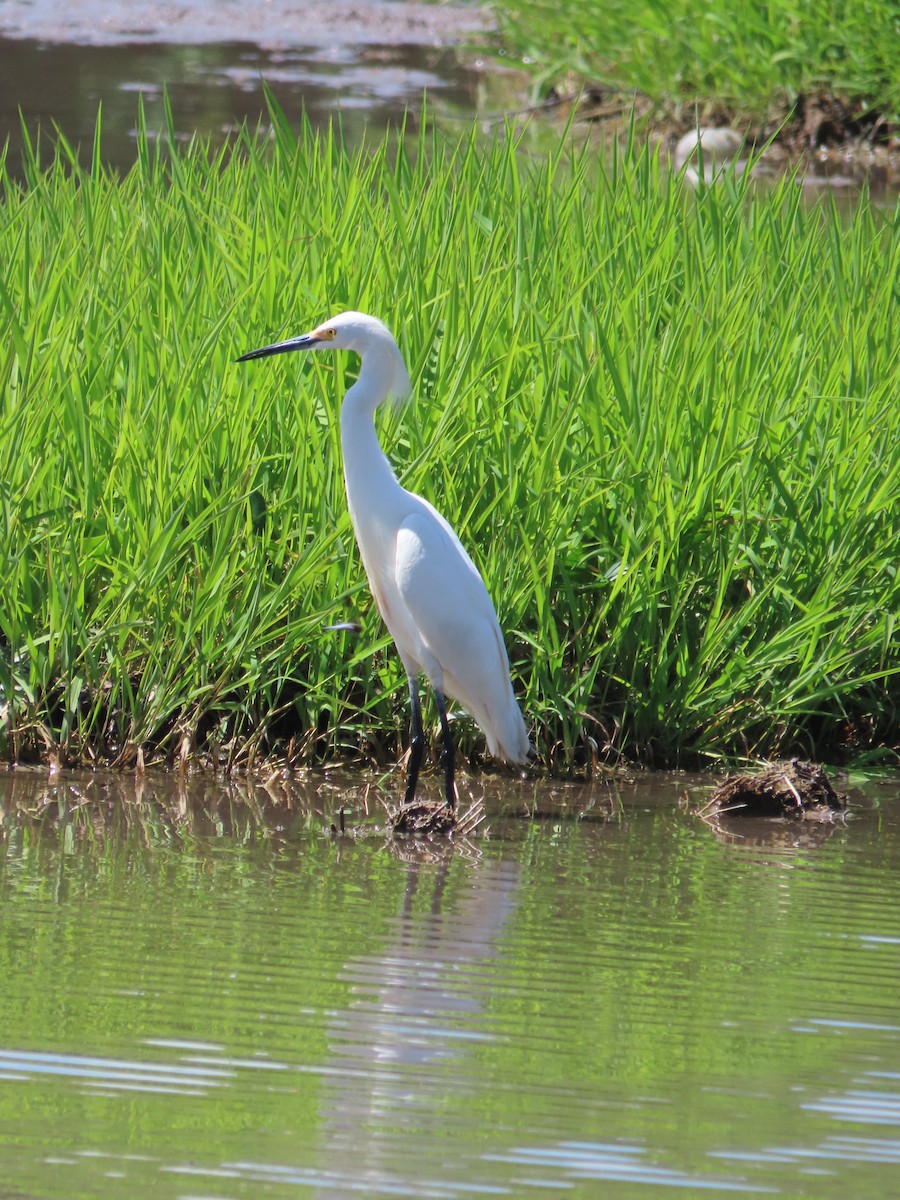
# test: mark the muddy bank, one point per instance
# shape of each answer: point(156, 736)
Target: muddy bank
point(272, 24)
point(839, 144)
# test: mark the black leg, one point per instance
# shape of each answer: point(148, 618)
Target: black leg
point(416, 741)
point(449, 751)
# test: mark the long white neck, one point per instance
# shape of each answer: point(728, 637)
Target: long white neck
point(368, 476)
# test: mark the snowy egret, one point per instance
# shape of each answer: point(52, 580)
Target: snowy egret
point(712, 147)
point(428, 590)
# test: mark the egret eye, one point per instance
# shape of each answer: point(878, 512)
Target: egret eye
point(327, 335)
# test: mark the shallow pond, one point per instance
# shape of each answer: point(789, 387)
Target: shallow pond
point(368, 63)
point(204, 993)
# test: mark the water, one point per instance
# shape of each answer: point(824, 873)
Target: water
point(205, 994)
point(367, 62)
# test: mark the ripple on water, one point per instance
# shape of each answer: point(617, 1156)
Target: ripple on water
point(630, 1006)
point(107, 1075)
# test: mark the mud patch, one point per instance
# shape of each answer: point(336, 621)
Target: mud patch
point(426, 818)
point(795, 790)
point(277, 24)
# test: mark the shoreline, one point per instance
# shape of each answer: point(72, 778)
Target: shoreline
point(820, 127)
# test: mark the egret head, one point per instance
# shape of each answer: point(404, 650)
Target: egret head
point(364, 335)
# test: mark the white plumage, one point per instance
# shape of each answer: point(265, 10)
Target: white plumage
point(428, 590)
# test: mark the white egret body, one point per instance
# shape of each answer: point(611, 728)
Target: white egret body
point(428, 590)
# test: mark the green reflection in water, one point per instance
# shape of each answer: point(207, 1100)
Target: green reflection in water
point(627, 999)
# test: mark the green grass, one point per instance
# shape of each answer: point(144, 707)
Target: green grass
point(664, 424)
point(752, 57)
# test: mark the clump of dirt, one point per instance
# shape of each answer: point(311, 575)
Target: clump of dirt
point(423, 818)
point(797, 790)
point(822, 120)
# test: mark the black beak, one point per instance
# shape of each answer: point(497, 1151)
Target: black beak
point(305, 342)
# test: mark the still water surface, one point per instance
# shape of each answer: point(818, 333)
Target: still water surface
point(204, 994)
point(364, 64)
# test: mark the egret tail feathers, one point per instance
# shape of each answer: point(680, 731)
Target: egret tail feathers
point(499, 718)
point(507, 738)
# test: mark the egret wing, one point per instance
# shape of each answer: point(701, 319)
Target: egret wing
point(448, 605)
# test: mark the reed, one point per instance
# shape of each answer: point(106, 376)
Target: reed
point(663, 423)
